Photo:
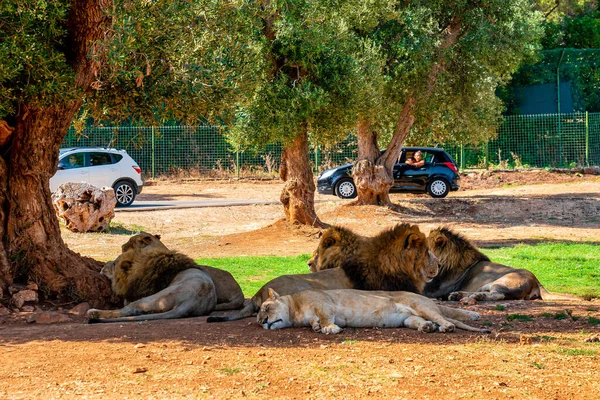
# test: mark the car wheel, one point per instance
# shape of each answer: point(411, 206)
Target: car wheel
point(345, 189)
point(124, 193)
point(438, 188)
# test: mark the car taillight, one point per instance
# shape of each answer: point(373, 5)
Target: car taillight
point(451, 166)
point(137, 169)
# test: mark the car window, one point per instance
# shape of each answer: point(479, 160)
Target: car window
point(117, 157)
point(100, 159)
point(71, 161)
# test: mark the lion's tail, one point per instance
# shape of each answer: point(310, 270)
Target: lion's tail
point(181, 311)
point(462, 325)
point(247, 311)
point(546, 295)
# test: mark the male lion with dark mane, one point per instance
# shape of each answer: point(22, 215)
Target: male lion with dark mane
point(398, 258)
point(170, 284)
point(328, 311)
point(405, 265)
point(465, 272)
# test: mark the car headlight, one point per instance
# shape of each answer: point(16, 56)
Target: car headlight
point(327, 174)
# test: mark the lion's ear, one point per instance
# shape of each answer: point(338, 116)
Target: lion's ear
point(125, 265)
point(440, 241)
point(413, 240)
point(328, 242)
point(157, 236)
point(272, 294)
point(146, 240)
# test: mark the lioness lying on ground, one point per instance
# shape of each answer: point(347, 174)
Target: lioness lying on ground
point(328, 311)
point(406, 263)
point(187, 292)
point(466, 273)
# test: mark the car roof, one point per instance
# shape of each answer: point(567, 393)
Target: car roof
point(85, 148)
point(430, 149)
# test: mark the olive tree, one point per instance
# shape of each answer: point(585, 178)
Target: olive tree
point(444, 61)
point(121, 59)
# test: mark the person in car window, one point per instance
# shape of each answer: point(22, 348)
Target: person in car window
point(73, 162)
point(417, 160)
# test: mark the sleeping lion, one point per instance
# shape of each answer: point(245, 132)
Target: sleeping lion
point(328, 311)
point(465, 272)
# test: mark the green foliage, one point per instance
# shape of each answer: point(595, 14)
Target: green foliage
point(519, 317)
point(184, 61)
point(499, 307)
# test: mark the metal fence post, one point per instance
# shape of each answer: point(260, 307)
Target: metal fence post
point(152, 154)
point(316, 159)
point(237, 164)
point(587, 140)
point(462, 157)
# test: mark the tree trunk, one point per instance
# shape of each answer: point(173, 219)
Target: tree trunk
point(31, 247)
point(298, 192)
point(373, 181)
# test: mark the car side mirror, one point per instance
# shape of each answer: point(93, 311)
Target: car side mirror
point(61, 166)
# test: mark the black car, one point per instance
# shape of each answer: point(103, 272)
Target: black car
point(438, 176)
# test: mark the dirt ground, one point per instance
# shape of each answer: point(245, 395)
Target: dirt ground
point(553, 355)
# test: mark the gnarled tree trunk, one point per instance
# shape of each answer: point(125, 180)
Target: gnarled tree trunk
point(31, 247)
point(373, 172)
point(298, 192)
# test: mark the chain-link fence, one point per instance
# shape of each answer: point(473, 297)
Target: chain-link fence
point(565, 140)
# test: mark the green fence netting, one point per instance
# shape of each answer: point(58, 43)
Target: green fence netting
point(534, 141)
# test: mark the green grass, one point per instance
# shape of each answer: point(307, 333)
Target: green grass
point(560, 267)
point(253, 272)
point(519, 317)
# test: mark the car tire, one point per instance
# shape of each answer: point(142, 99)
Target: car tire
point(124, 193)
point(438, 188)
point(346, 189)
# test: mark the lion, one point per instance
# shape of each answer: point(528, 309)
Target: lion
point(466, 273)
point(396, 259)
point(229, 293)
point(334, 278)
point(328, 311)
point(406, 265)
point(159, 285)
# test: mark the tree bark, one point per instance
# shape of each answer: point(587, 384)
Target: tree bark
point(31, 247)
point(373, 181)
point(298, 192)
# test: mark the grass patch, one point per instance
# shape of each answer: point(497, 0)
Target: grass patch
point(253, 272)
point(118, 228)
point(519, 317)
point(499, 307)
point(593, 321)
point(577, 352)
point(229, 371)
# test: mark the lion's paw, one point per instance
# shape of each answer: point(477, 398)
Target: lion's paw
point(93, 315)
point(473, 316)
point(468, 301)
point(447, 327)
point(428, 327)
point(455, 296)
point(330, 329)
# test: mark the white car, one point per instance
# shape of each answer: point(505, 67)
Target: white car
point(100, 167)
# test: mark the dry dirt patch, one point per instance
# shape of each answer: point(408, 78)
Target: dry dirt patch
point(546, 357)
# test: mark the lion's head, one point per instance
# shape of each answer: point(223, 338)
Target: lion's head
point(397, 258)
point(337, 244)
point(273, 313)
point(143, 240)
point(453, 250)
point(118, 271)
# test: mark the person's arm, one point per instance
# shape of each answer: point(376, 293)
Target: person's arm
point(419, 164)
